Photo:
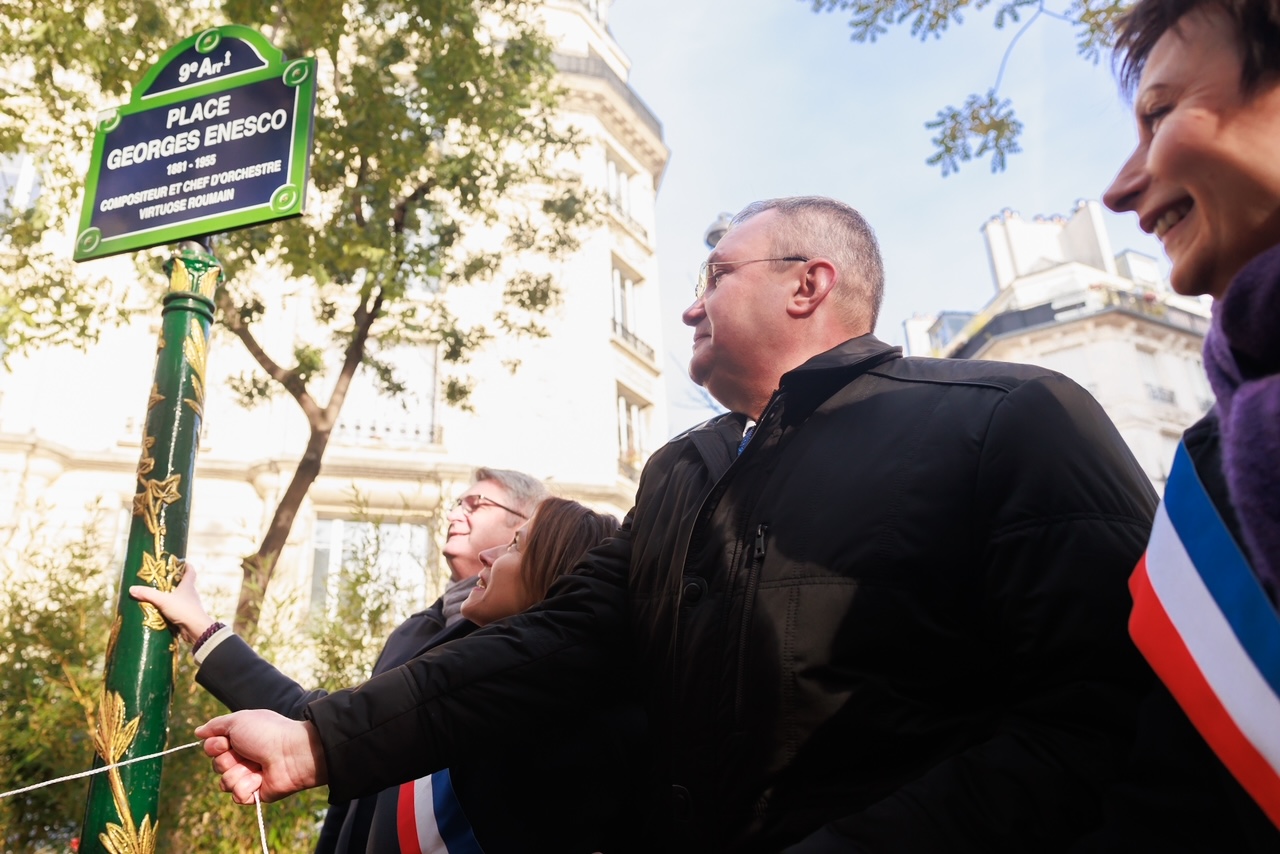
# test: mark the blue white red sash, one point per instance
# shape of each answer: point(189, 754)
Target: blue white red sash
point(1211, 634)
point(430, 820)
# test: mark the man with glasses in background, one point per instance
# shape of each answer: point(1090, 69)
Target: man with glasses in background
point(878, 606)
point(497, 503)
point(488, 514)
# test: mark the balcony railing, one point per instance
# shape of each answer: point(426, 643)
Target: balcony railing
point(1098, 299)
point(633, 341)
point(624, 216)
point(373, 433)
point(1149, 305)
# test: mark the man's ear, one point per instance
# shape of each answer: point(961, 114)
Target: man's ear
point(816, 285)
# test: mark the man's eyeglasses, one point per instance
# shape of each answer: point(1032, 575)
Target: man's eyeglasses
point(708, 274)
point(471, 503)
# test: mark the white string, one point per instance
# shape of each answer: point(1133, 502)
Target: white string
point(92, 771)
point(262, 828)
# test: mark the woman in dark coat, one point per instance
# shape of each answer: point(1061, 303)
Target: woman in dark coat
point(563, 793)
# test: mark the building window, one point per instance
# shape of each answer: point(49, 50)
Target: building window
point(633, 432)
point(1149, 370)
point(946, 328)
point(393, 555)
point(618, 187)
point(620, 183)
point(624, 310)
point(625, 325)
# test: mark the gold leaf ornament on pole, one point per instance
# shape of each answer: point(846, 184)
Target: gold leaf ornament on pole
point(112, 739)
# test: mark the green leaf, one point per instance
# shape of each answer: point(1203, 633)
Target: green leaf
point(984, 125)
point(986, 120)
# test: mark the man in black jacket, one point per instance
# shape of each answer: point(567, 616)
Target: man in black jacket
point(878, 606)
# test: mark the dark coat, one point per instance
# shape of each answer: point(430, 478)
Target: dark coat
point(561, 792)
point(1175, 796)
point(897, 620)
point(242, 679)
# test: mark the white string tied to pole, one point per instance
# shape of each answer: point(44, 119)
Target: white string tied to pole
point(262, 828)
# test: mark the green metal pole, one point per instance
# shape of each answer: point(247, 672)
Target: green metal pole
point(133, 715)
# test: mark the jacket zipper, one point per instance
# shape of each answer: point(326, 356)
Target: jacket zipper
point(748, 605)
point(757, 559)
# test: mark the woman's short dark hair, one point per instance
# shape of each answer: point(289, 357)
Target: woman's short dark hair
point(561, 532)
point(1256, 23)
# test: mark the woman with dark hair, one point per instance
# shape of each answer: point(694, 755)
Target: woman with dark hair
point(1205, 179)
point(560, 793)
point(546, 548)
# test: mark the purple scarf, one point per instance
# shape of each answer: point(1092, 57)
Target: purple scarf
point(1242, 359)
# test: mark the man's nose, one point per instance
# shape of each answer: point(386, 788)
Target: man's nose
point(694, 313)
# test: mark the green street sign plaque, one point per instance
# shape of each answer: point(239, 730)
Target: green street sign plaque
point(216, 137)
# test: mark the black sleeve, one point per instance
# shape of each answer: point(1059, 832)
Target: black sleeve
point(1069, 512)
point(1176, 796)
point(242, 679)
point(499, 683)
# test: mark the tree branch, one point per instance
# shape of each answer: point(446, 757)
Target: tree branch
point(365, 316)
point(287, 379)
point(401, 212)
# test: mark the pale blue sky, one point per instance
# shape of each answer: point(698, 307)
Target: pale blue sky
point(763, 98)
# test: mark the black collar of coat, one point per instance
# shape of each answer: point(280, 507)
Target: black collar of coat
point(806, 386)
point(809, 385)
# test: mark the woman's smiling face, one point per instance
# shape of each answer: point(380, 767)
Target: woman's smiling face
point(500, 590)
point(1205, 176)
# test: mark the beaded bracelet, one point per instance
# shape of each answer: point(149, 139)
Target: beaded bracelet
point(213, 629)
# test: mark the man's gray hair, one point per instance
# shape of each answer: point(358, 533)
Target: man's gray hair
point(524, 490)
point(816, 226)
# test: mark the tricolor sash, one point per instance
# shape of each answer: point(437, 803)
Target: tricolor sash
point(1206, 626)
point(430, 820)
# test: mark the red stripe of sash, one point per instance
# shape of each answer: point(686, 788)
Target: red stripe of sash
point(407, 821)
point(1159, 641)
